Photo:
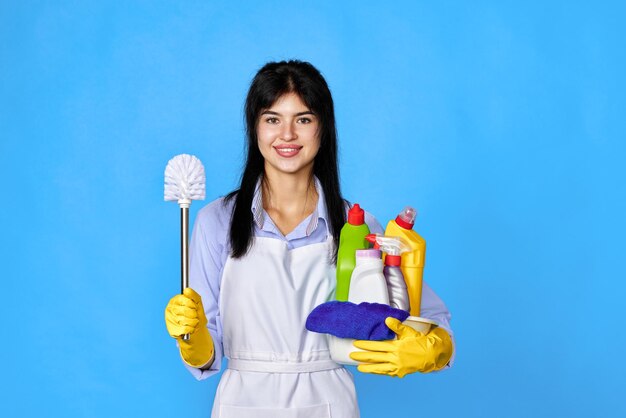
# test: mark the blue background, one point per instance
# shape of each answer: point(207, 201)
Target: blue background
point(502, 122)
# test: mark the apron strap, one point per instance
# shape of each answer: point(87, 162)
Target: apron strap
point(277, 367)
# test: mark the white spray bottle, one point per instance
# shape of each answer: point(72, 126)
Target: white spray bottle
point(396, 286)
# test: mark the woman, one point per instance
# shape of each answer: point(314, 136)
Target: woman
point(262, 258)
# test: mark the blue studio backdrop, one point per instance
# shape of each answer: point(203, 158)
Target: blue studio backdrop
point(502, 122)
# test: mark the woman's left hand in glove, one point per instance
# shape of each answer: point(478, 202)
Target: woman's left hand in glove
point(411, 352)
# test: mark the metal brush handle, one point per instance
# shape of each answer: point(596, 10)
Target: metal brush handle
point(184, 253)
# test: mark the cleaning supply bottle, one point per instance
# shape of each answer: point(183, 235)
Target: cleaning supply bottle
point(412, 264)
point(367, 283)
point(396, 287)
point(351, 239)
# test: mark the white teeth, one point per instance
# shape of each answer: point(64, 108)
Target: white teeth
point(286, 149)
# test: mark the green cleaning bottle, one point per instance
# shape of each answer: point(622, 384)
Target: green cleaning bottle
point(351, 239)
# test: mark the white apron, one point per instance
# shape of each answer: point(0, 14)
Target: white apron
point(276, 368)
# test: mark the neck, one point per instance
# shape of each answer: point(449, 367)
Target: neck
point(289, 193)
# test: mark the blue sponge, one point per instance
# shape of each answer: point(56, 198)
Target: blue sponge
point(365, 321)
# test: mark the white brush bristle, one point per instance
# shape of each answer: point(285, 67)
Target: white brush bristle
point(184, 178)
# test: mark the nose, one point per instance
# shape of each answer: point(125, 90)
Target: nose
point(288, 132)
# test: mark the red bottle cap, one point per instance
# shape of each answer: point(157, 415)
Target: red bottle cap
point(392, 260)
point(403, 224)
point(406, 218)
point(356, 215)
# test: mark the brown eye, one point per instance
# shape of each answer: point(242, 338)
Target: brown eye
point(304, 121)
point(272, 120)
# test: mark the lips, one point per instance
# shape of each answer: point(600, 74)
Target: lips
point(288, 150)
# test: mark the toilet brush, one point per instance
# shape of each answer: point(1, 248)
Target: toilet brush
point(184, 182)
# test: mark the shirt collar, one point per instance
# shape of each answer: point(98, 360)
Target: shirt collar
point(320, 211)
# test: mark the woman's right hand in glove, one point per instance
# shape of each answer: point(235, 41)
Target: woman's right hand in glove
point(184, 314)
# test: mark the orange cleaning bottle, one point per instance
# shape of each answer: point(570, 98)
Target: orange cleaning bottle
point(412, 264)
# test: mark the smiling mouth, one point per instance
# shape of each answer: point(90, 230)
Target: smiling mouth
point(287, 151)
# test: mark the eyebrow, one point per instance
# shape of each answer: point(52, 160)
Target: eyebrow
point(271, 112)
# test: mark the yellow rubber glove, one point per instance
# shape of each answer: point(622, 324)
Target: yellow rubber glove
point(184, 314)
point(411, 352)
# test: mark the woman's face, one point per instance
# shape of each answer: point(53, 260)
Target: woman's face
point(288, 135)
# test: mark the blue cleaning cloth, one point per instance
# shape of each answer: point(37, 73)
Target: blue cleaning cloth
point(365, 321)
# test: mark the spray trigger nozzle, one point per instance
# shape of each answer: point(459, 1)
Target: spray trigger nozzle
point(389, 245)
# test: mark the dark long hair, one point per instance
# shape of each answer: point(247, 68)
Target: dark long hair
point(270, 83)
